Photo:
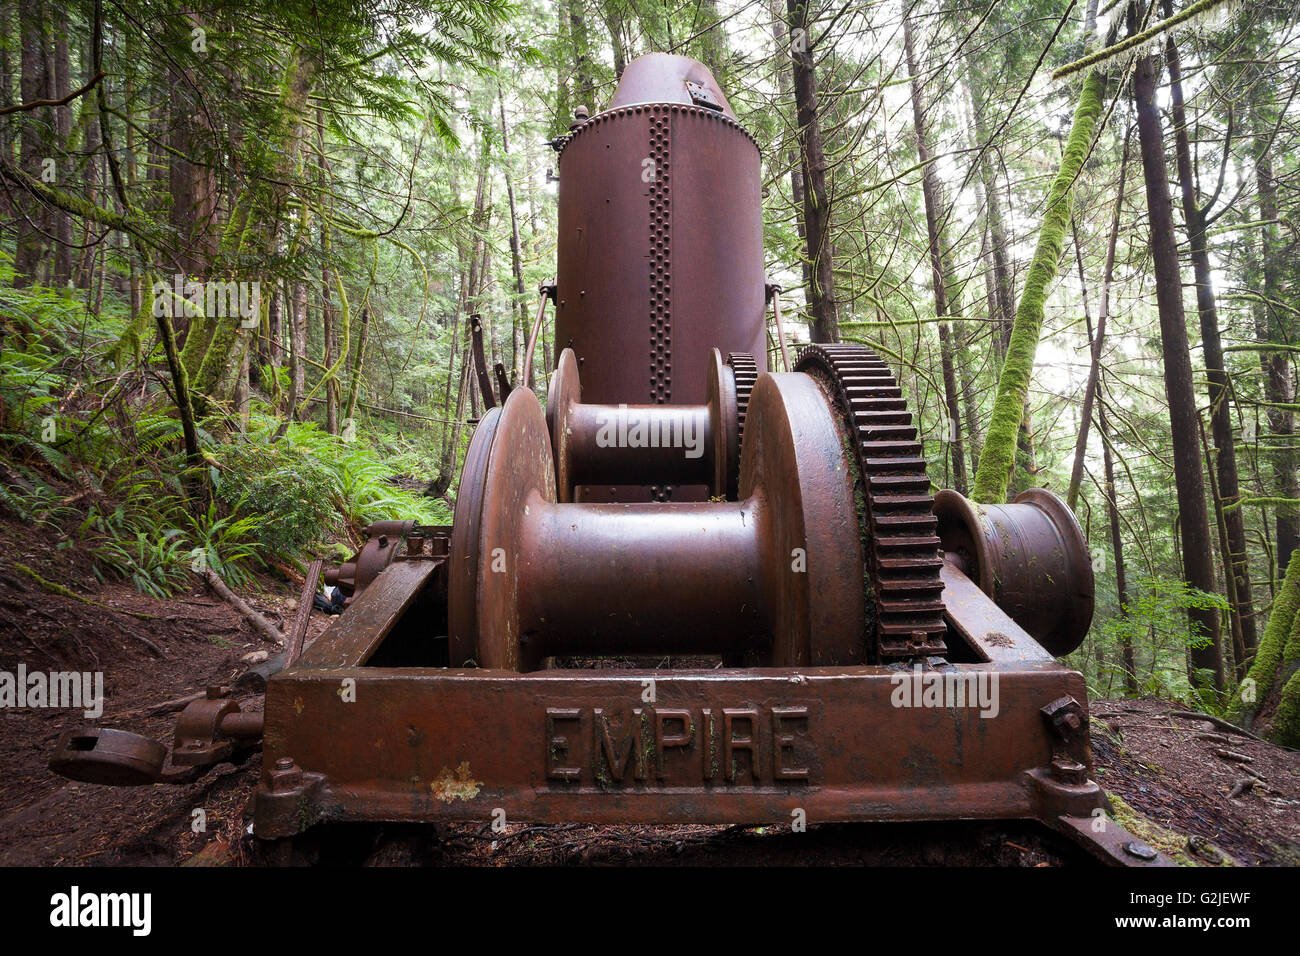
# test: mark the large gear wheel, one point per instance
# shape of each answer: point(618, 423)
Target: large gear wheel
point(900, 546)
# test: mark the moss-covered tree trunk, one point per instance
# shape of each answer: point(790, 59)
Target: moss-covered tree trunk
point(999, 453)
point(1274, 678)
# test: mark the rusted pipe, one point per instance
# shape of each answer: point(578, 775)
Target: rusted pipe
point(244, 724)
point(780, 332)
point(527, 375)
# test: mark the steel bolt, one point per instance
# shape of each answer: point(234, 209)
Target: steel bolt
point(1066, 717)
point(1069, 771)
point(1140, 850)
point(284, 775)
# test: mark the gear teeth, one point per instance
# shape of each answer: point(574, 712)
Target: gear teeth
point(903, 562)
point(745, 371)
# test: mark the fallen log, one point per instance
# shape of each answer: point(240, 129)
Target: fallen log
point(260, 624)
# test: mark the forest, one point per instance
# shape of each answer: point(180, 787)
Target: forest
point(243, 246)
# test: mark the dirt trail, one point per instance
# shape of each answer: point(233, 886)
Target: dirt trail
point(1161, 767)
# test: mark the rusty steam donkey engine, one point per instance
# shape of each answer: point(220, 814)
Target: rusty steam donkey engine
point(675, 497)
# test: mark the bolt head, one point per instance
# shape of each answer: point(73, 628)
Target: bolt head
point(284, 775)
point(1140, 850)
point(1069, 771)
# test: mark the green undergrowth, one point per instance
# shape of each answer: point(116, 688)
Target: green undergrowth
point(94, 455)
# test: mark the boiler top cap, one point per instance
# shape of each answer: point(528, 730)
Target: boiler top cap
point(664, 78)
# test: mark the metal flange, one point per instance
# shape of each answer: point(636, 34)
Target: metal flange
point(114, 757)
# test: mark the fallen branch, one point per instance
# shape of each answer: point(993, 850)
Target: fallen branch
point(67, 592)
point(173, 705)
point(1232, 755)
point(1217, 721)
point(260, 624)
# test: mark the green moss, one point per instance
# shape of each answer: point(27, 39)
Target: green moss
point(1279, 637)
point(999, 453)
point(1169, 842)
point(216, 361)
point(1286, 719)
point(128, 346)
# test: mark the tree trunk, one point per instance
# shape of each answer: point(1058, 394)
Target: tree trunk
point(1117, 550)
point(519, 323)
point(931, 192)
point(822, 307)
point(298, 345)
point(329, 352)
point(1279, 382)
point(30, 248)
point(191, 181)
point(584, 85)
point(1225, 456)
point(1189, 481)
point(711, 45)
point(784, 86)
point(61, 86)
point(1004, 293)
point(1098, 341)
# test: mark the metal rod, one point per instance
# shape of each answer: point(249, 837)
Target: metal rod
point(532, 340)
point(780, 332)
point(480, 363)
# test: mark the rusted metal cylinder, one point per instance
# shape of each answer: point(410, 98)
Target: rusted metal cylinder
point(1029, 556)
point(242, 724)
point(612, 447)
point(660, 254)
point(640, 444)
point(691, 572)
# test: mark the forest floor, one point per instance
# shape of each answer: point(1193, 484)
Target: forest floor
point(1173, 788)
